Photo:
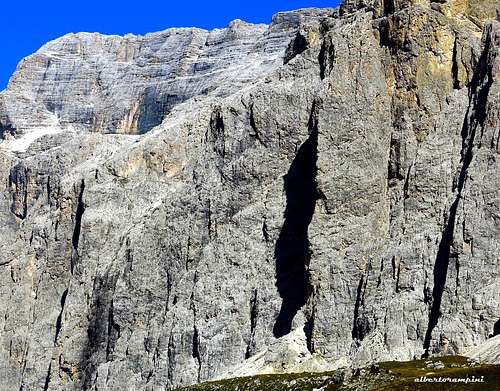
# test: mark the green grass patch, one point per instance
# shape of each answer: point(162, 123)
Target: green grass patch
point(455, 367)
point(276, 382)
point(390, 376)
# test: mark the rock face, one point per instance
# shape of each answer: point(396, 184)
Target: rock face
point(325, 189)
point(488, 352)
point(113, 84)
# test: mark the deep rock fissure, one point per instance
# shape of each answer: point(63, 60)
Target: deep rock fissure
point(292, 251)
point(326, 58)
point(265, 231)
point(98, 344)
point(440, 271)
point(75, 240)
point(47, 378)
point(195, 351)
point(253, 324)
point(80, 209)
point(217, 130)
point(309, 326)
point(113, 332)
point(360, 326)
point(171, 357)
point(18, 182)
point(394, 163)
point(454, 66)
point(59, 318)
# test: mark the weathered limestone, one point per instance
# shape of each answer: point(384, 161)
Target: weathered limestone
point(316, 193)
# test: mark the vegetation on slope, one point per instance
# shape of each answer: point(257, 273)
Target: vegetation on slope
point(387, 376)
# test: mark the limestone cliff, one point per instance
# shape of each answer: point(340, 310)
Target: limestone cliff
point(188, 205)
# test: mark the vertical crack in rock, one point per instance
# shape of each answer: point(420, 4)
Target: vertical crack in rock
point(98, 345)
point(18, 183)
point(47, 378)
point(309, 325)
point(24, 361)
point(385, 38)
point(356, 308)
point(80, 209)
point(59, 318)
point(265, 231)
point(187, 259)
point(196, 349)
point(379, 278)
point(360, 326)
point(217, 133)
point(171, 357)
point(440, 272)
point(113, 332)
point(169, 293)
point(406, 185)
point(394, 165)
point(292, 252)
point(454, 66)
point(253, 324)
point(326, 58)
point(195, 352)
point(476, 114)
point(48, 189)
point(398, 274)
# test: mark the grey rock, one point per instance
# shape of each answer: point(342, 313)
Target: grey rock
point(486, 352)
point(435, 365)
point(115, 84)
point(174, 205)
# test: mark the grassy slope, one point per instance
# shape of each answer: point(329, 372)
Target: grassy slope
point(391, 376)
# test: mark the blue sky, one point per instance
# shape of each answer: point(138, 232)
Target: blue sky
point(27, 25)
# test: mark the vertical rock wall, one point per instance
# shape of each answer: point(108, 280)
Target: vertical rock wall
point(323, 191)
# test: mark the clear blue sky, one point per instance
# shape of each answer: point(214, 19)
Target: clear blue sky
point(27, 25)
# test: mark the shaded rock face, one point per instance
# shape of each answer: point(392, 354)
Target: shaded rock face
point(173, 205)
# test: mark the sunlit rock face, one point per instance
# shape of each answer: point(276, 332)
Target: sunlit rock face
point(190, 205)
point(114, 84)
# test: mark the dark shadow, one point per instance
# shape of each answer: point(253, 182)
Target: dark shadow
point(326, 58)
point(155, 107)
point(80, 209)
point(6, 129)
point(103, 331)
point(440, 273)
point(496, 329)
point(389, 7)
point(296, 47)
point(292, 251)
point(361, 326)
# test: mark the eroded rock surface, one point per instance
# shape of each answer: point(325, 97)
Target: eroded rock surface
point(321, 192)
